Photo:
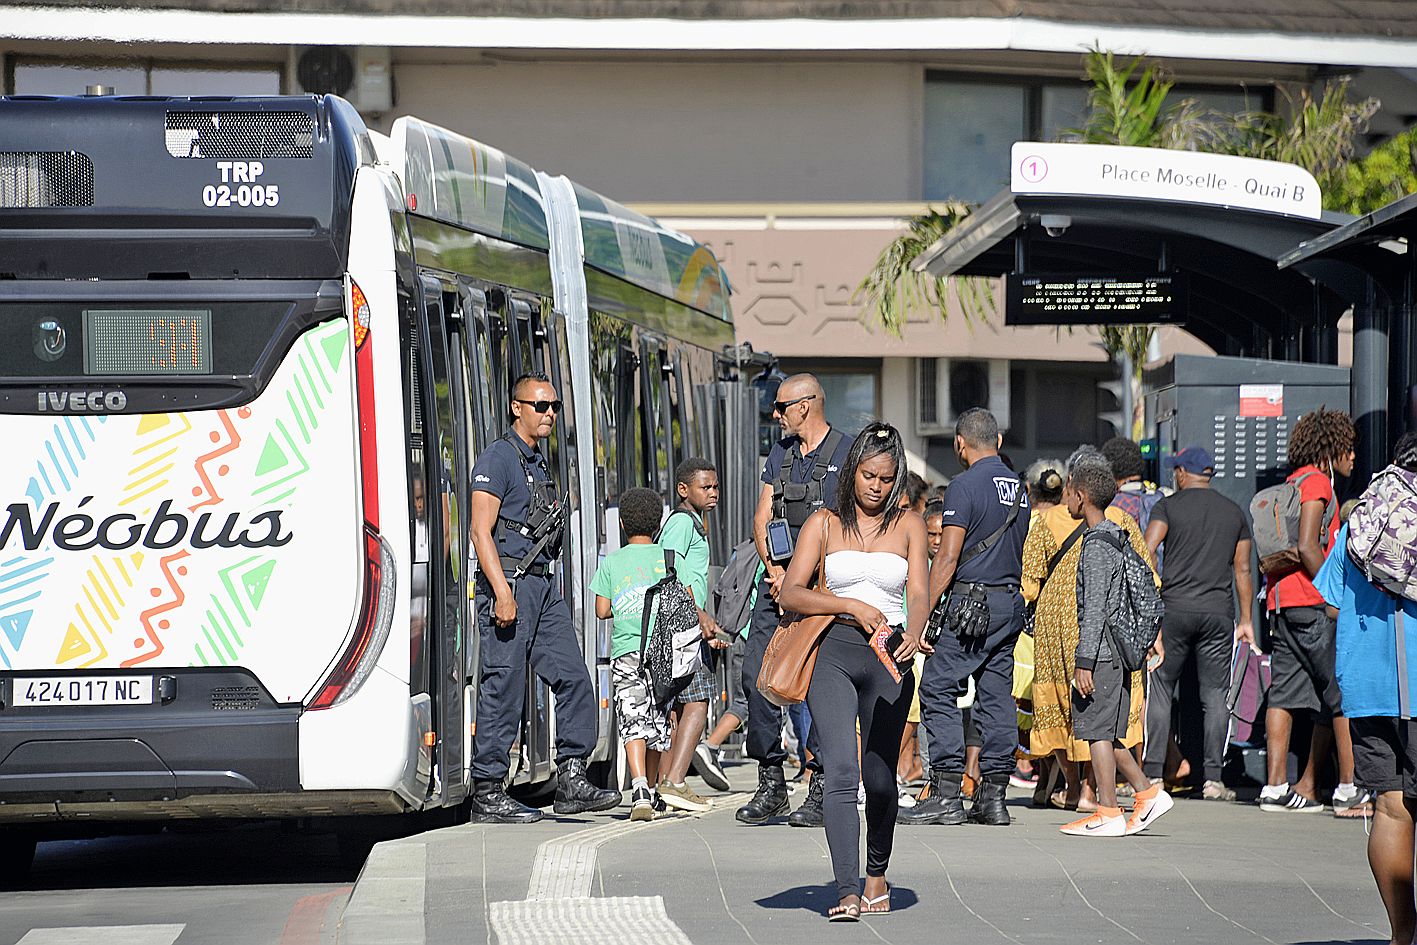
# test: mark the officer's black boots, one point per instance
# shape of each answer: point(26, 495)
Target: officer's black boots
point(574, 792)
point(989, 807)
point(809, 814)
point(941, 803)
point(769, 801)
point(491, 804)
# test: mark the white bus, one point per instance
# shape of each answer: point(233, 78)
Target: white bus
point(252, 349)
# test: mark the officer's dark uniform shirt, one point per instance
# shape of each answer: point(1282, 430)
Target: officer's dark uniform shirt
point(498, 472)
point(802, 466)
point(978, 500)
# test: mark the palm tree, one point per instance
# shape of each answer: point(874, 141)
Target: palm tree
point(1128, 104)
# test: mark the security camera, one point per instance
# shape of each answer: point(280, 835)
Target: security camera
point(1055, 224)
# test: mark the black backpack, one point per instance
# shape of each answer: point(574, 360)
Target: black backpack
point(1134, 628)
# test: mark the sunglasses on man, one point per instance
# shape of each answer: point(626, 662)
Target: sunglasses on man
point(781, 405)
point(541, 406)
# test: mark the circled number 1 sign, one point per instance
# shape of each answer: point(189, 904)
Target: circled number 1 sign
point(1033, 168)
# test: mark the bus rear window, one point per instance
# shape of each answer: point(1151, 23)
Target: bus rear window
point(136, 339)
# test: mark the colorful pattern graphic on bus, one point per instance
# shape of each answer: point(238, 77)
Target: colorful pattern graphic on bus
point(187, 538)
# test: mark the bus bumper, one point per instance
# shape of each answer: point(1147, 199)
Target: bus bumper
point(219, 733)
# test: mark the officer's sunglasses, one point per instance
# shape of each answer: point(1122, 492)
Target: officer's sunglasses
point(781, 405)
point(541, 406)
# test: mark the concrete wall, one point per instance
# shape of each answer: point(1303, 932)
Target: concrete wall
point(690, 132)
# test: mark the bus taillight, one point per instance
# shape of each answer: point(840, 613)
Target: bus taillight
point(364, 386)
point(359, 312)
point(376, 617)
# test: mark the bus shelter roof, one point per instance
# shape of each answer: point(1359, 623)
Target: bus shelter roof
point(1377, 245)
point(1240, 301)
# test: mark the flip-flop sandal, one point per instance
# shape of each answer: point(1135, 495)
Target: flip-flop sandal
point(1059, 800)
point(877, 905)
point(851, 913)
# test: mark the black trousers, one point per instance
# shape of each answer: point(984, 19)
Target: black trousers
point(1210, 639)
point(544, 638)
point(849, 684)
point(764, 738)
point(991, 662)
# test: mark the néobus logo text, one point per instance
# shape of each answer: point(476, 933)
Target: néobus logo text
point(79, 530)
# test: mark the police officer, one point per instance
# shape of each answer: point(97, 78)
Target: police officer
point(517, 524)
point(980, 564)
point(800, 476)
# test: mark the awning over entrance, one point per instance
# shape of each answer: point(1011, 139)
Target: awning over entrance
point(1370, 261)
point(1218, 223)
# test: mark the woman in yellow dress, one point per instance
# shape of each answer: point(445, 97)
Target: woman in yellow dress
point(1055, 633)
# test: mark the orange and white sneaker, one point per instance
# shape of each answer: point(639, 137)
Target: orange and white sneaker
point(1104, 822)
point(1151, 804)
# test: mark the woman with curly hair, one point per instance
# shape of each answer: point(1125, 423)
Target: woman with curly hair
point(1050, 565)
point(1302, 633)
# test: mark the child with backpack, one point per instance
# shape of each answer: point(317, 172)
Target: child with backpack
point(1294, 526)
point(620, 585)
point(684, 534)
point(1119, 620)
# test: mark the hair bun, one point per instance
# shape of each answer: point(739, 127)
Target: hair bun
point(1050, 480)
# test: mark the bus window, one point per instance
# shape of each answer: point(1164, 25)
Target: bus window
point(629, 427)
point(483, 421)
point(653, 417)
point(677, 410)
point(519, 319)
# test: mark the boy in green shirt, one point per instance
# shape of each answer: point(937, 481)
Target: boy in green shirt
point(683, 533)
point(619, 586)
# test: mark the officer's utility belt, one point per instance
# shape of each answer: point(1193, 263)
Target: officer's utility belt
point(512, 568)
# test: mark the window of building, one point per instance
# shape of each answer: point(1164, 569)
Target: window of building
point(852, 388)
point(969, 128)
point(970, 125)
point(141, 77)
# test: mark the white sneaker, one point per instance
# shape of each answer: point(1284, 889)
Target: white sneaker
point(860, 795)
point(1097, 824)
point(1146, 813)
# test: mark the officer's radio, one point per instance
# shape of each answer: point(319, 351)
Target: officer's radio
point(779, 540)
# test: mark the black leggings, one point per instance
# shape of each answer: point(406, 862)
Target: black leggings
point(849, 683)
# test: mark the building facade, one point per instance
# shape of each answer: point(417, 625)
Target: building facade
point(794, 137)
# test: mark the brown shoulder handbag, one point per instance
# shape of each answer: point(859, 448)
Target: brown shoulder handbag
point(792, 652)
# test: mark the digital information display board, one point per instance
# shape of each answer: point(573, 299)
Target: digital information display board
point(1073, 299)
point(139, 342)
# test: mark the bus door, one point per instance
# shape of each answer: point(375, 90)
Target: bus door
point(520, 359)
point(484, 426)
point(445, 436)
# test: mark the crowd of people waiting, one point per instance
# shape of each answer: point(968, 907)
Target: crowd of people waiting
point(1029, 630)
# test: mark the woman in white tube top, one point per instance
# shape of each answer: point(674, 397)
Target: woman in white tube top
point(876, 555)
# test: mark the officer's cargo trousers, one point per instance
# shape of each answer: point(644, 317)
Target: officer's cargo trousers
point(544, 637)
point(991, 662)
point(764, 740)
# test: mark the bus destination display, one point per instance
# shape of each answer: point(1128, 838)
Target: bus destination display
point(1073, 299)
point(141, 342)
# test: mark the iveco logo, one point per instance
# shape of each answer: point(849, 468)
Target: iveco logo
point(83, 400)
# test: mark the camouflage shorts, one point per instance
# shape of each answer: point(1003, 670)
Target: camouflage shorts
point(636, 715)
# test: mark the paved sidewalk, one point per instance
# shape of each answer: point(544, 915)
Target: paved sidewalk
point(1208, 873)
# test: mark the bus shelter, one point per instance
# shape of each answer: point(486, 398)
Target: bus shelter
point(1370, 263)
point(1100, 234)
